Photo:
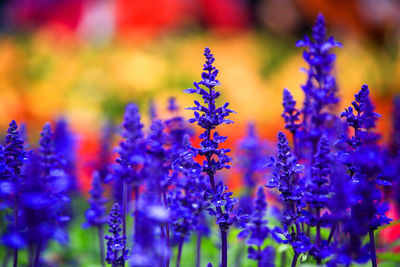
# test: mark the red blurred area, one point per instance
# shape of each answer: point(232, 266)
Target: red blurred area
point(28, 14)
point(150, 16)
point(225, 14)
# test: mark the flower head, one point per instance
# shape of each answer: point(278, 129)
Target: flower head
point(65, 147)
point(131, 150)
point(320, 88)
point(14, 154)
point(116, 252)
point(361, 117)
point(95, 215)
point(290, 112)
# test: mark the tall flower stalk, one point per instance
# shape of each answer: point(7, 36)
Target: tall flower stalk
point(15, 156)
point(187, 184)
point(257, 231)
point(156, 172)
point(364, 166)
point(96, 214)
point(116, 243)
point(286, 170)
point(131, 156)
point(208, 117)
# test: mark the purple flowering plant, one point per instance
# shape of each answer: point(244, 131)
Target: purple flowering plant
point(164, 201)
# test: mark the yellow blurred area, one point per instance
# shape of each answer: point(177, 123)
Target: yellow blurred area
point(43, 76)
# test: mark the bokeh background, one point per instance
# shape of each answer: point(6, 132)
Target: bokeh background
point(85, 59)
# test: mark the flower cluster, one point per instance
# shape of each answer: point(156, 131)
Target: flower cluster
point(320, 88)
point(209, 117)
point(95, 215)
point(131, 150)
point(290, 114)
point(285, 179)
point(258, 231)
point(116, 252)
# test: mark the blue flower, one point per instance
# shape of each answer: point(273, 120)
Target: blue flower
point(285, 179)
point(116, 252)
point(131, 150)
point(14, 154)
point(290, 112)
point(361, 117)
point(96, 214)
point(257, 230)
point(320, 88)
point(65, 147)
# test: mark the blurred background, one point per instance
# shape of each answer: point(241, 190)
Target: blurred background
point(85, 59)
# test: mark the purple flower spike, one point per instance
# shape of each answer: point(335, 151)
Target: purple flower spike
point(320, 88)
point(285, 176)
point(257, 230)
point(361, 117)
point(208, 117)
point(57, 182)
point(131, 150)
point(96, 214)
point(65, 146)
point(286, 170)
point(116, 252)
point(364, 162)
point(14, 153)
point(251, 157)
point(319, 189)
point(290, 112)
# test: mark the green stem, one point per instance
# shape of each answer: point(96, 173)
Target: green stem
point(372, 246)
point(101, 244)
point(178, 257)
point(198, 249)
point(295, 257)
point(15, 262)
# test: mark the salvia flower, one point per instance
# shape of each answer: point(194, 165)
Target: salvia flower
point(319, 187)
point(361, 117)
point(251, 161)
point(208, 117)
point(220, 199)
point(14, 153)
point(364, 165)
point(286, 171)
point(185, 198)
point(155, 169)
point(65, 147)
point(96, 214)
point(105, 152)
point(320, 88)
point(318, 195)
point(116, 252)
point(48, 158)
point(290, 112)
point(284, 178)
point(257, 230)
point(37, 206)
point(149, 247)
point(57, 183)
point(321, 61)
point(14, 158)
point(251, 157)
point(6, 174)
point(131, 150)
